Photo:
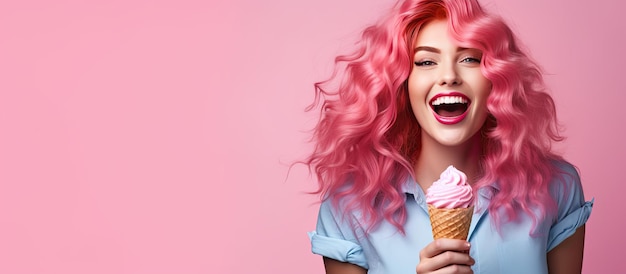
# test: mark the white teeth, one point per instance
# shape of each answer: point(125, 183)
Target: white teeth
point(449, 100)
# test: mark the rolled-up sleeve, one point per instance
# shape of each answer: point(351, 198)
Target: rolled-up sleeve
point(573, 211)
point(334, 237)
point(566, 227)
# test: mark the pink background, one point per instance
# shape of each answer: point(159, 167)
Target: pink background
point(155, 136)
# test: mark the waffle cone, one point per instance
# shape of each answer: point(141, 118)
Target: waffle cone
point(450, 223)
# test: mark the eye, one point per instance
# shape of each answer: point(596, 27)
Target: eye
point(470, 60)
point(424, 63)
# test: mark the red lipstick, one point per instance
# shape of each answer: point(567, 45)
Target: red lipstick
point(453, 97)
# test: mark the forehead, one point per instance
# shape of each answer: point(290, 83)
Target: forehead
point(434, 34)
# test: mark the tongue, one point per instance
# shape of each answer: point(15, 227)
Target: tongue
point(450, 110)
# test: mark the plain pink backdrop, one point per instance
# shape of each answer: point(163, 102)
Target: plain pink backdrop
point(149, 136)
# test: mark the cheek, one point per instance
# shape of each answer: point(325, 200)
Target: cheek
point(417, 88)
point(484, 89)
point(416, 99)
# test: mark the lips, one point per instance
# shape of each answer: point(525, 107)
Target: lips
point(450, 107)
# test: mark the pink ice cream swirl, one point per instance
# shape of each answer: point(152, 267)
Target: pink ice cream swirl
point(450, 191)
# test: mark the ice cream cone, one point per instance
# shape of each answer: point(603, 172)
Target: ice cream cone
point(450, 223)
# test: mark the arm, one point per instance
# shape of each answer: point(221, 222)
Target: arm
point(335, 237)
point(567, 257)
point(337, 267)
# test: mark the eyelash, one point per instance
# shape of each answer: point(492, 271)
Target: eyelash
point(424, 63)
point(471, 59)
point(464, 60)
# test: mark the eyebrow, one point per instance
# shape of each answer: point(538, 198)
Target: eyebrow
point(436, 50)
point(431, 49)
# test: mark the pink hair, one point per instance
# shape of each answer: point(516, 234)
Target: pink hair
point(367, 138)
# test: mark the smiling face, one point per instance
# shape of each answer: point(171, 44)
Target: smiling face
point(447, 90)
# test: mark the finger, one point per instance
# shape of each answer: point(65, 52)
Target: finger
point(454, 269)
point(437, 267)
point(439, 246)
point(444, 260)
point(450, 258)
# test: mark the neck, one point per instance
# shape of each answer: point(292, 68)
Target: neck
point(434, 158)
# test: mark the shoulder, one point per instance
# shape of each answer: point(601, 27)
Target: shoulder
point(338, 213)
point(565, 171)
point(566, 186)
point(572, 211)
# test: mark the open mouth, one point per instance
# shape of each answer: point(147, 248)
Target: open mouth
point(450, 106)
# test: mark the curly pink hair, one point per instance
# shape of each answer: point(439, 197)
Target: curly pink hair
point(367, 138)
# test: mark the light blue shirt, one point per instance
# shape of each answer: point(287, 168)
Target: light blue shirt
point(512, 250)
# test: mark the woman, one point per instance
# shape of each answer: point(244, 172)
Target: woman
point(439, 83)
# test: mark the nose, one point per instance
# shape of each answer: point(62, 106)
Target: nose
point(449, 76)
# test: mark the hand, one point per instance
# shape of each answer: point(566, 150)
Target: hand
point(445, 256)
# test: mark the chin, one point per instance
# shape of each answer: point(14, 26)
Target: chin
point(453, 142)
point(455, 139)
